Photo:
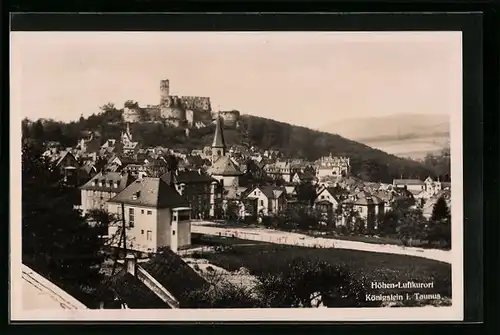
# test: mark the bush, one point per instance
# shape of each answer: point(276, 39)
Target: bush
point(308, 280)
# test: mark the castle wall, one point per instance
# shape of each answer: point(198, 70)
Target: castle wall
point(130, 115)
point(196, 103)
point(173, 113)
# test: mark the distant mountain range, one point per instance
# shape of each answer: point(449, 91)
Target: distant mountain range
point(412, 135)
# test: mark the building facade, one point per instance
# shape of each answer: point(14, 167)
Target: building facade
point(154, 214)
point(102, 187)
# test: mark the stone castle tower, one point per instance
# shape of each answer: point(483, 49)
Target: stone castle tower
point(164, 91)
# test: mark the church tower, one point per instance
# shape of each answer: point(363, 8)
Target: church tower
point(218, 145)
point(127, 135)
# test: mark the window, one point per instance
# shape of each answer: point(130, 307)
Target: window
point(322, 197)
point(142, 231)
point(255, 193)
point(150, 212)
point(175, 217)
point(142, 211)
point(149, 235)
point(173, 232)
point(262, 202)
point(131, 217)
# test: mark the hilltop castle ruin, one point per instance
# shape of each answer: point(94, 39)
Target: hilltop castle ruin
point(179, 111)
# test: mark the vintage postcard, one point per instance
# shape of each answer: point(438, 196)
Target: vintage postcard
point(236, 176)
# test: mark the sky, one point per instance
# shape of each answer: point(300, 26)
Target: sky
point(304, 78)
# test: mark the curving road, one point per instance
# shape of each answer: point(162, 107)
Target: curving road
point(281, 237)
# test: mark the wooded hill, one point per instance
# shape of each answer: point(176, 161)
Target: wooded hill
point(293, 141)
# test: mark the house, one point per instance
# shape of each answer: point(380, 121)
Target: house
point(368, 207)
point(303, 177)
point(89, 143)
point(280, 170)
point(129, 146)
point(269, 199)
point(328, 199)
point(332, 166)
point(202, 192)
point(111, 146)
point(412, 185)
point(156, 216)
point(102, 187)
point(163, 281)
point(67, 163)
point(40, 293)
point(87, 172)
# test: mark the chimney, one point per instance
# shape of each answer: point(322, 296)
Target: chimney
point(131, 264)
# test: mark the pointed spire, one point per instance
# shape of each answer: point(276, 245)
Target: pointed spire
point(219, 135)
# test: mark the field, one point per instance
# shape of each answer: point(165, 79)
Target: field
point(265, 258)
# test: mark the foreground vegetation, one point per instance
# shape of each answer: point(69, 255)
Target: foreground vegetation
point(265, 259)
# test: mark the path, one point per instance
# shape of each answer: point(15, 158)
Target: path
point(281, 237)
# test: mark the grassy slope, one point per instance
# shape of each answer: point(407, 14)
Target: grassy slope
point(270, 258)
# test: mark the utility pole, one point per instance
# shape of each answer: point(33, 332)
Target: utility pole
point(124, 236)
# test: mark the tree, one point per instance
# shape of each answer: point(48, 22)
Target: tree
point(388, 223)
point(38, 131)
point(221, 293)
point(306, 193)
point(440, 211)
point(57, 241)
point(108, 107)
point(411, 227)
point(439, 227)
point(303, 282)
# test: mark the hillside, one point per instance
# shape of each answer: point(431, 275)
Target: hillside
point(413, 135)
point(293, 141)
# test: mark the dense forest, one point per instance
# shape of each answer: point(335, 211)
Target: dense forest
point(293, 141)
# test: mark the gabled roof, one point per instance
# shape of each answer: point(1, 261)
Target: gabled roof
point(224, 166)
point(186, 177)
point(175, 275)
point(150, 192)
point(271, 192)
point(335, 192)
point(108, 180)
point(63, 156)
point(134, 292)
point(368, 200)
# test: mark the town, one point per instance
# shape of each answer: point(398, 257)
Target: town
point(164, 214)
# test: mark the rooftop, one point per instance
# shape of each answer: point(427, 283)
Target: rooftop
point(150, 192)
point(133, 292)
point(175, 275)
point(108, 180)
point(224, 166)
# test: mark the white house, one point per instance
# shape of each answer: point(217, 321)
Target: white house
point(156, 215)
point(270, 199)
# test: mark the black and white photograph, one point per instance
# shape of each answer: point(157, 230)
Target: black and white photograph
point(232, 176)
